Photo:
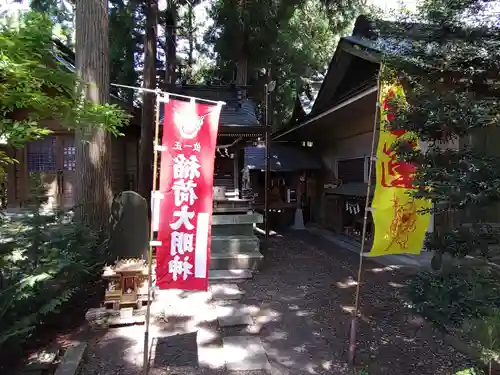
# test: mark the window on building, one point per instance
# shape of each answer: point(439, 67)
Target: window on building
point(307, 143)
point(41, 155)
point(69, 155)
point(351, 170)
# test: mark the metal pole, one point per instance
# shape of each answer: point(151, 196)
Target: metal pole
point(145, 365)
point(267, 166)
point(354, 321)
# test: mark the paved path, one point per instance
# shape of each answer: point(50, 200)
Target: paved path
point(292, 318)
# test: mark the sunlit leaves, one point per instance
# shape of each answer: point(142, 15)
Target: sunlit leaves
point(35, 87)
point(44, 261)
point(449, 68)
point(294, 39)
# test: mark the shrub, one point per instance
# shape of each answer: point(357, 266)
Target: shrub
point(449, 299)
point(44, 260)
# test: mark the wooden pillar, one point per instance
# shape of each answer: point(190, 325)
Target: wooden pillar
point(236, 175)
point(23, 178)
point(12, 197)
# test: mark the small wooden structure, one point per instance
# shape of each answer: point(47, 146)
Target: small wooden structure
point(293, 173)
point(127, 283)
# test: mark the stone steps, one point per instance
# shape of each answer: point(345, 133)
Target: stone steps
point(233, 315)
point(231, 261)
point(245, 353)
point(231, 230)
point(245, 219)
point(229, 275)
point(234, 244)
point(226, 292)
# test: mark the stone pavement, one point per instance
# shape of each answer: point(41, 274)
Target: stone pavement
point(397, 261)
point(186, 337)
point(291, 318)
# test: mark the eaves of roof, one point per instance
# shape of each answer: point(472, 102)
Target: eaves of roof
point(66, 57)
point(349, 46)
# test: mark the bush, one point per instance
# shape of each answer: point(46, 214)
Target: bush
point(461, 295)
point(464, 302)
point(45, 259)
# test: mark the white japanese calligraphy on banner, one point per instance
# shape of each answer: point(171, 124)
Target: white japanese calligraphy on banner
point(185, 173)
point(186, 182)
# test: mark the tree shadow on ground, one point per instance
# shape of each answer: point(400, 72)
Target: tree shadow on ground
point(301, 302)
point(123, 356)
point(175, 351)
point(59, 330)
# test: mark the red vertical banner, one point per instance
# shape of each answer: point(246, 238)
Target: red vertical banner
point(186, 185)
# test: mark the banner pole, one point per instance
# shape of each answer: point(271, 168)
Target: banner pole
point(145, 368)
point(157, 91)
point(354, 321)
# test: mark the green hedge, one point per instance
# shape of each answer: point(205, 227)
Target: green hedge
point(44, 261)
point(449, 299)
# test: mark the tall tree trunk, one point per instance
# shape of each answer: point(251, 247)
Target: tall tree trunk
point(130, 58)
point(93, 145)
point(171, 35)
point(148, 105)
point(191, 41)
point(241, 58)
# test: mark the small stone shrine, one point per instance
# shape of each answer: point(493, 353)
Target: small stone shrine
point(127, 283)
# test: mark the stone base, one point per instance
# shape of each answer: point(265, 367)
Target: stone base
point(104, 318)
point(245, 353)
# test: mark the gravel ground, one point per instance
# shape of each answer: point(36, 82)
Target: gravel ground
point(300, 302)
point(308, 284)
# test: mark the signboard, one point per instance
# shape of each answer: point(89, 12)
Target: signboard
point(186, 181)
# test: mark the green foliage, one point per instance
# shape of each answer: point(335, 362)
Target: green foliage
point(447, 56)
point(126, 33)
point(470, 371)
point(45, 259)
point(295, 40)
point(303, 49)
point(478, 240)
point(61, 13)
point(36, 87)
point(486, 335)
point(450, 299)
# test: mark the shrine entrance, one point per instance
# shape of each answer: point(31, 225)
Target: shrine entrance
point(51, 166)
point(48, 164)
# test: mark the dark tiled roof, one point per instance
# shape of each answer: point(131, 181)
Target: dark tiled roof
point(238, 111)
point(284, 158)
point(358, 189)
point(234, 115)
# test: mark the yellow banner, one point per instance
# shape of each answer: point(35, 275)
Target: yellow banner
point(399, 227)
